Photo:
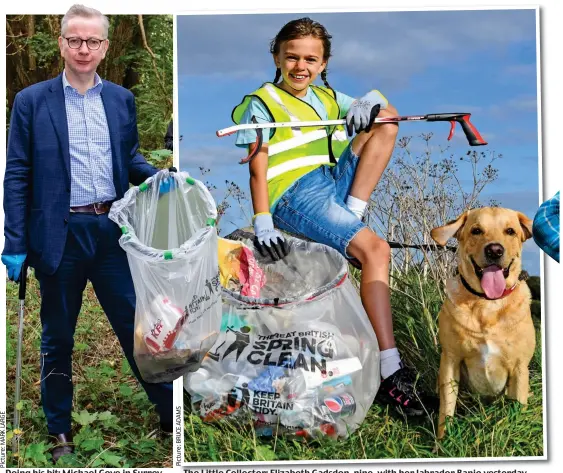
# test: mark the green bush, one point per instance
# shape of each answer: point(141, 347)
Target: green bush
point(113, 420)
point(534, 283)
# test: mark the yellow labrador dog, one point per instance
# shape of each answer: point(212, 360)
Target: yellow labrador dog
point(486, 328)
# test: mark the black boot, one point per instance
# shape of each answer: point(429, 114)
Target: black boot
point(399, 390)
point(64, 445)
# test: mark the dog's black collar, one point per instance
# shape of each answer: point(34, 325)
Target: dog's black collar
point(483, 295)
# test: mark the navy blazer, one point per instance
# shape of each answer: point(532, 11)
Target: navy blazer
point(37, 179)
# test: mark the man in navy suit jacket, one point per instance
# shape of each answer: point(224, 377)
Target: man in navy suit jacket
point(72, 151)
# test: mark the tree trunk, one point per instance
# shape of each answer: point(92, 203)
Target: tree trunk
point(30, 34)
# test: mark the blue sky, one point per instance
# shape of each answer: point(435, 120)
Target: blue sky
point(483, 62)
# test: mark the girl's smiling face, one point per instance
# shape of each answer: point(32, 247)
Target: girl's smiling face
point(301, 61)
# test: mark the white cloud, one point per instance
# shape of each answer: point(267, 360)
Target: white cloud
point(392, 46)
point(524, 200)
point(531, 258)
point(515, 71)
point(524, 103)
point(211, 157)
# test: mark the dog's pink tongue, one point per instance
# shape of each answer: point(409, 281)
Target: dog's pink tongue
point(493, 282)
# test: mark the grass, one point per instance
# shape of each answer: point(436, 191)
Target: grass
point(112, 414)
point(480, 428)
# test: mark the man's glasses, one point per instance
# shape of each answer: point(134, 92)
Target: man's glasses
point(92, 43)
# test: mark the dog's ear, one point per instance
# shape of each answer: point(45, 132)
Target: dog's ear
point(526, 225)
point(441, 235)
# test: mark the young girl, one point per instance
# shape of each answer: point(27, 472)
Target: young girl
point(311, 181)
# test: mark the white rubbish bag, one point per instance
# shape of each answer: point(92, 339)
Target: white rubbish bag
point(171, 244)
point(299, 356)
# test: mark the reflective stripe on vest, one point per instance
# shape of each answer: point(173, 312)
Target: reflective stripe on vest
point(292, 118)
point(294, 152)
point(302, 139)
point(296, 164)
point(340, 135)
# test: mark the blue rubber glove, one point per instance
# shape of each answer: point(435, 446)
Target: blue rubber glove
point(363, 112)
point(14, 265)
point(268, 240)
point(167, 184)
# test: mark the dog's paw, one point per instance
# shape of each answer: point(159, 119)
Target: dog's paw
point(517, 407)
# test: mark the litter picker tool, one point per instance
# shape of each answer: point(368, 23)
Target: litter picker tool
point(473, 136)
point(16, 425)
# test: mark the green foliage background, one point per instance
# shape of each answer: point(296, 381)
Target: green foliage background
point(33, 56)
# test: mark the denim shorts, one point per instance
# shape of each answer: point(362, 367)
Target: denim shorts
point(315, 205)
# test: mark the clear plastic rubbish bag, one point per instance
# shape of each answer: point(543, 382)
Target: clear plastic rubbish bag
point(171, 244)
point(299, 356)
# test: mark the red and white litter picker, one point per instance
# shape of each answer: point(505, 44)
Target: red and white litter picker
point(473, 136)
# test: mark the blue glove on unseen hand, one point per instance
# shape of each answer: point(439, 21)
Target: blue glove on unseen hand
point(268, 240)
point(363, 112)
point(167, 184)
point(14, 265)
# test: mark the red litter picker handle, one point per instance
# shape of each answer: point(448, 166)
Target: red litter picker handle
point(471, 133)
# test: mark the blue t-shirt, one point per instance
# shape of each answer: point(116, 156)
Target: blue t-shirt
point(256, 108)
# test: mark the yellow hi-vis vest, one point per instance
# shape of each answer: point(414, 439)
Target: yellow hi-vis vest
point(294, 152)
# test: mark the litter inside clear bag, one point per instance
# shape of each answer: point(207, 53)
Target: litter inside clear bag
point(171, 245)
point(296, 354)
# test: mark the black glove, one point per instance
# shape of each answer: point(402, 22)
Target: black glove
point(268, 240)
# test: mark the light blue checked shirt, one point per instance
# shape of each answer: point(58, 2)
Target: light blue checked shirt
point(546, 227)
point(91, 169)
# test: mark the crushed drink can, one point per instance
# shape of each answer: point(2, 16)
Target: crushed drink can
point(340, 405)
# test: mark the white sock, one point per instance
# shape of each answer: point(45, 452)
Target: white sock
point(356, 205)
point(390, 362)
